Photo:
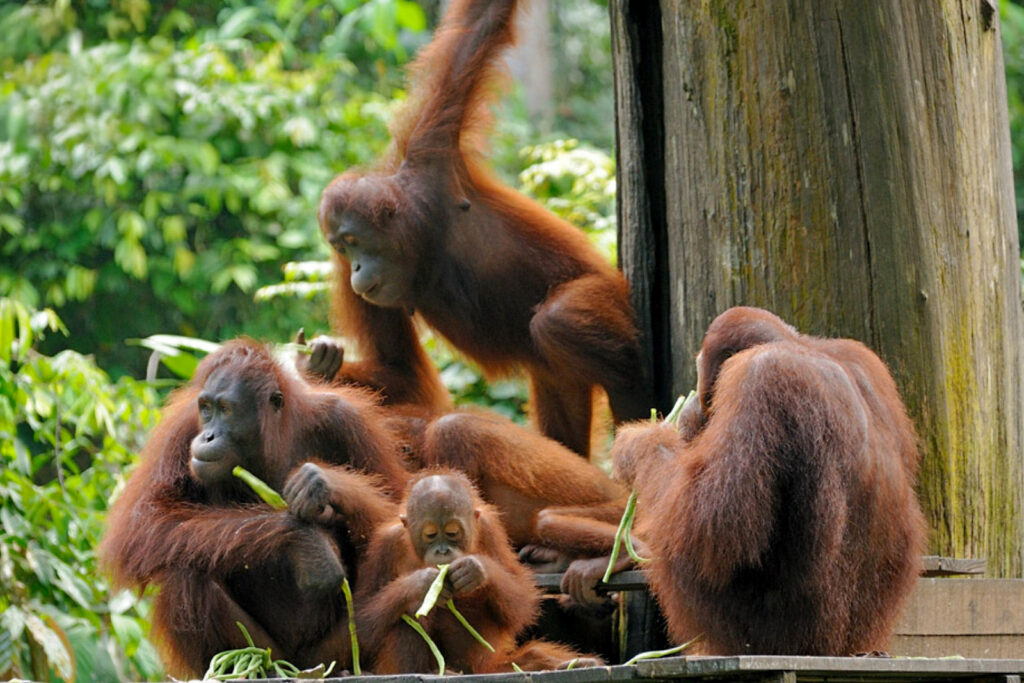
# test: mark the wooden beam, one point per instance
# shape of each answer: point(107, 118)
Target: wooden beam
point(935, 565)
point(636, 579)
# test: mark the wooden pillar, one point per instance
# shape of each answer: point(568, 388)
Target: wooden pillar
point(845, 164)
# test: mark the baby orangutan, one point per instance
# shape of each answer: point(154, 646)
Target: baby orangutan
point(444, 521)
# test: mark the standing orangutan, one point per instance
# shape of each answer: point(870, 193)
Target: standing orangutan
point(508, 283)
point(781, 516)
point(445, 522)
point(218, 555)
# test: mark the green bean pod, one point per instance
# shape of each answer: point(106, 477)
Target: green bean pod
point(430, 599)
point(430, 642)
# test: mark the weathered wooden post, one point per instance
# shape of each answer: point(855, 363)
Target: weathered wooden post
point(845, 164)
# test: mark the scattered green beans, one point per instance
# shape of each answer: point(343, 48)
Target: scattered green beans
point(256, 662)
point(429, 600)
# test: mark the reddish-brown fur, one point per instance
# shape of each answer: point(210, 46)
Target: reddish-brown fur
point(556, 506)
point(506, 603)
point(217, 554)
point(785, 521)
point(546, 495)
point(503, 279)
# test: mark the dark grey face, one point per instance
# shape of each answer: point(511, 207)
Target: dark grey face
point(229, 419)
point(440, 539)
point(441, 521)
point(377, 272)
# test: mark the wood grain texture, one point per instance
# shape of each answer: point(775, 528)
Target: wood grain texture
point(642, 252)
point(847, 166)
point(965, 607)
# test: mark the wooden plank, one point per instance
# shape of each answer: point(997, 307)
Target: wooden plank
point(783, 669)
point(980, 647)
point(749, 668)
point(636, 579)
point(834, 668)
point(640, 625)
point(632, 580)
point(965, 606)
point(609, 674)
point(934, 565)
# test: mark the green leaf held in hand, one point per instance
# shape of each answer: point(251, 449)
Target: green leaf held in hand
point(269, 495)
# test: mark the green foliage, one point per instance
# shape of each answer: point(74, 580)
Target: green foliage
point(302, 279)
point(364, 31)
point(576, 183)
point(66, 438)
point(467, 385)
point(1012, 25)
point(176, 352)
point(158, 172)
point(583, 71)
point(159, 153)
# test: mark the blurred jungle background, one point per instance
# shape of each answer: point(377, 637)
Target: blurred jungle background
point(160, 169)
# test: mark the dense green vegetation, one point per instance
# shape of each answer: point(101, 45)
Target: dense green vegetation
point(178, 171)
point(67, 436)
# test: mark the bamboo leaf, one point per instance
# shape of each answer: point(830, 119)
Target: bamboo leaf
point(622, 534)
point(628, 540)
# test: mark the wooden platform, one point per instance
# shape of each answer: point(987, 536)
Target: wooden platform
point(949, 620)
point(968, 617)
point(971, 629)
point(780, 669)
